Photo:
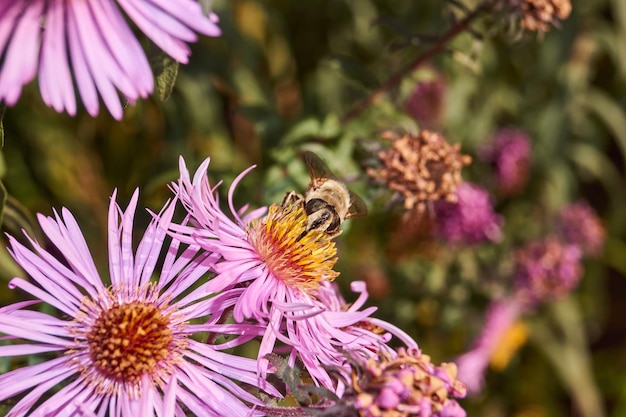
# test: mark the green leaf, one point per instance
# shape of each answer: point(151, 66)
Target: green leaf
point(17, 218)
point(610, 112)
point(165, 71)
point(290, 376)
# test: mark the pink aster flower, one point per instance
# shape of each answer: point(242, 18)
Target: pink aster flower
point(471, 219)
point(547, 269)
point(509, 152)
point(90, 44)
point(426, 102)
point(279, 277)
point(123, 349)
point(578, 224)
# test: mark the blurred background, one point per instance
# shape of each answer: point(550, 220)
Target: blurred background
point(281, 79)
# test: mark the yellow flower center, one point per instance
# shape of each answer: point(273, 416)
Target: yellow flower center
point(130, 340)
point(299, 258)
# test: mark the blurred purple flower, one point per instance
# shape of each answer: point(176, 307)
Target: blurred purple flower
point(280, 277)
point(509, 152)
point(426, 103)
point(38, 36)
point(123, 349)
point(472, 365)
point(547, 269)
point(470, 220)
point(578, 224)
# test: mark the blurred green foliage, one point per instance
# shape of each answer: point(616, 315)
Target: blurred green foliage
point(280, 79)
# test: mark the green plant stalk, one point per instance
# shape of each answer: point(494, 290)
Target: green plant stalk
point(569, 355)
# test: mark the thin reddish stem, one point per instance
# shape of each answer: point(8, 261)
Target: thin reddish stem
point(395, 79)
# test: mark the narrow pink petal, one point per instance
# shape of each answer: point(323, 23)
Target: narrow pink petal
point(45, 269)
point(169, 398)
point(165, 21)
point(97, 58)
point(115, 255)
point(176, 48)
point(21, 58)
point(9, 13)
point(80, 255)
point(126, 245)
point(84, 80)
point(37, 333)
point(43, 295)
point(22, 350)
point(43, 376)
point(190, 13)
point(150, 247)
point(125, 48)
point(231, 192)
point(55, 78)
point(146, 401)
point(77, 398)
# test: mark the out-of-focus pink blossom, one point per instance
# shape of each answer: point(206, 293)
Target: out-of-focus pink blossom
point(509, 153)
point(547, 269)
point(471, 219)
point(472, 365)
point(426, 103)
point(578, 224)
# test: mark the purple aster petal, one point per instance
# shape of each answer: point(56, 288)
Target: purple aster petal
point(106, 57)
point(22, 51)
point(55, 77)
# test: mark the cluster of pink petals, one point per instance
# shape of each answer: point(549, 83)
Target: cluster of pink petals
point(322, 340)
point(200, 377)
point(578, 224)
point(318, 328)
point(88, 43)
point(471, 219)
point(547, 269)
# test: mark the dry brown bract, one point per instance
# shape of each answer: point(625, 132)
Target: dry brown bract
point(538, 15)
point(421, 168)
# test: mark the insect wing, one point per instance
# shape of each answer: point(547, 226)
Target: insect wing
point(317, 168)
point(357, 206)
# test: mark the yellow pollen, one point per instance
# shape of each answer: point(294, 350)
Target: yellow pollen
point(129, 340)
point(301, 260)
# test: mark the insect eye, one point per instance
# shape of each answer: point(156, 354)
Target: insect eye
point(314, 205)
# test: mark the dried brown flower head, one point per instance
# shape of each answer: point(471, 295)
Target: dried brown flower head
point(421, 168)
point(405, 385)
point(538, 15)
